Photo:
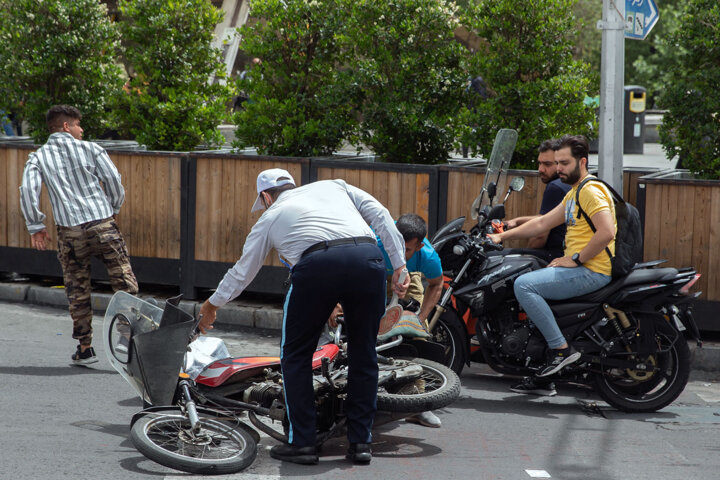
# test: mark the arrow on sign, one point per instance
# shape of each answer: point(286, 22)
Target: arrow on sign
point(641, 16)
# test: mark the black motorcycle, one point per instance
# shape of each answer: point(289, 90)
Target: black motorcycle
point(630, 333)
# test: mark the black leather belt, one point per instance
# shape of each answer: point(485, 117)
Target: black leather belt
point(340, 241)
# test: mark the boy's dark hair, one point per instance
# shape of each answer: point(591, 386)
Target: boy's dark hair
point(548, 145)
point(411, 226)
point(59, 114)
point(578, 145)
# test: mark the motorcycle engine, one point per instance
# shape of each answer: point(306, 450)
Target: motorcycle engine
point(263, 393)
point(514, 343)
point(516, 340)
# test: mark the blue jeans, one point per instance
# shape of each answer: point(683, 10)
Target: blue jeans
point(554, 283)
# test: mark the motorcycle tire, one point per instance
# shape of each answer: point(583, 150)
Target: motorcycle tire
point(629, 391)
point(438, 387)
point(450, 333)
point(218, 448)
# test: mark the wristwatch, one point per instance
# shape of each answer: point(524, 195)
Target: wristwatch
point(576, 259)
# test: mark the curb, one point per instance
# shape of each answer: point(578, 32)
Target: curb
point(234, 314)
point(246, 314)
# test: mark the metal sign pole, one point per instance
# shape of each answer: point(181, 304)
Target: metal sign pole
point(612, 70)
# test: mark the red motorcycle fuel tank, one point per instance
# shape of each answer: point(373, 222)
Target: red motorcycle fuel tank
point(231, 370)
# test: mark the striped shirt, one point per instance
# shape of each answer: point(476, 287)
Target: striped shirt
point(72, 171)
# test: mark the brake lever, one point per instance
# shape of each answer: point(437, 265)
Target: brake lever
point(195, 331)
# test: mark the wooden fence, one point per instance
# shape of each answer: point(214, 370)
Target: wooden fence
point(186, 216)
point(681, 226)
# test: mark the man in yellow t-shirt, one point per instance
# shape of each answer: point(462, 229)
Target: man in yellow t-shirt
point(584, 268)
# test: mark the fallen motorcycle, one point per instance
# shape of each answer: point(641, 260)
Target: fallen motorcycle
point(630, 333)
point(198, 397)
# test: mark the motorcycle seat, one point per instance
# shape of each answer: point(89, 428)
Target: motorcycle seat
point(636, 277)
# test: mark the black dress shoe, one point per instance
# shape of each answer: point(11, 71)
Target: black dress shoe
point(359, 453)
point(294, 454)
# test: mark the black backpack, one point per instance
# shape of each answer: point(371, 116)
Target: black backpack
point(629, 234)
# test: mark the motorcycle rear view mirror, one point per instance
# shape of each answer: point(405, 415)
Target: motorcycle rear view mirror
point(516, 185)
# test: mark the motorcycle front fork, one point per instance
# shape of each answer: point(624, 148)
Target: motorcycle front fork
point(190, 407)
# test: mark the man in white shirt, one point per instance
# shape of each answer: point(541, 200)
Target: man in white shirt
point(323, 231)
point(85, 193)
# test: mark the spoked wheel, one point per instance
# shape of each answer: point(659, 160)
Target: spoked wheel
point(636, 390)
point(217, 447)
point(437, 387)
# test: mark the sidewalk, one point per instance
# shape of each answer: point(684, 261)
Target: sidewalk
point(253, 314)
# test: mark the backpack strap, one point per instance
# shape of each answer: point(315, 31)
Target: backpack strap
point(581, 212)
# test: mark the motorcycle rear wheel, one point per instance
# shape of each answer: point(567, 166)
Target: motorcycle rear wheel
point(437, 388)
point(218, 448)
point(627, 391)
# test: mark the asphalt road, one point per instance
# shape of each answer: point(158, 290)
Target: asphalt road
point(61, 421)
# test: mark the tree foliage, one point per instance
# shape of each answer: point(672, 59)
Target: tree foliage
point(534, 84)
point(169, 102)
point(57, 52)
point(300, 97)
point(648, 62)
point(691, 127)
point(409, 67)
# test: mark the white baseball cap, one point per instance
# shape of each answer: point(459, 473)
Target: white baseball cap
point(275, 177)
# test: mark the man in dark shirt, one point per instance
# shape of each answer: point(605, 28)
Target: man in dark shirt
point(549, 245)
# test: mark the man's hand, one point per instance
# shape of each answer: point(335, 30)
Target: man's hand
point(40, 239)
point(495, 237)
point(208, 312)
point(563, 262)
point(337, 311)
point(397, 287)
point(512, 223)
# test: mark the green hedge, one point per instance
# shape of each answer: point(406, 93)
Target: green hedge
point(55, 52)
point(691, 127)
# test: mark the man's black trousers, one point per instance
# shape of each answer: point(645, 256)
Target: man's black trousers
point(353, 275)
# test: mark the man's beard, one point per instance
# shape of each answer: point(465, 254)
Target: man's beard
point(547, 179)
point(572, 177)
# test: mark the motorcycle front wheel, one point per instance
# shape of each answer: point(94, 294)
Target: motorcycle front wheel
point(450, 333)
point(648, 391)
point(437, 387)
point(217, 447)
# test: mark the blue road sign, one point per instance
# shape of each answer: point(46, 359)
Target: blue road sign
point(640, 17)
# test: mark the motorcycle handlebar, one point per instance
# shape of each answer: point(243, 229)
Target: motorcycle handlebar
point(479, 243)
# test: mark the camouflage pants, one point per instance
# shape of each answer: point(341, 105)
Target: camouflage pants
point(76, 246)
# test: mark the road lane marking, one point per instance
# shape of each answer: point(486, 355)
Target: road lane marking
point(538, 473)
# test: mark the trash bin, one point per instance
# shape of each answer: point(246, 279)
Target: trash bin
point(634, 119)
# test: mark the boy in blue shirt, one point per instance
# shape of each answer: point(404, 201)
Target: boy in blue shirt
point(422, 260)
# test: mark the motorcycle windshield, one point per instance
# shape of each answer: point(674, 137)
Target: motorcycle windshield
point(497, 168)
point(147, 344)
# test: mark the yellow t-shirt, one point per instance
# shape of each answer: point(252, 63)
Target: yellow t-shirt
point(594, 197)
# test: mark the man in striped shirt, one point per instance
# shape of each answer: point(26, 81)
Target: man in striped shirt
point(85, 194)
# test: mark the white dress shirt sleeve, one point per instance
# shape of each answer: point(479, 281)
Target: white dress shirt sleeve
point(257, 245)
point(374, 213)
